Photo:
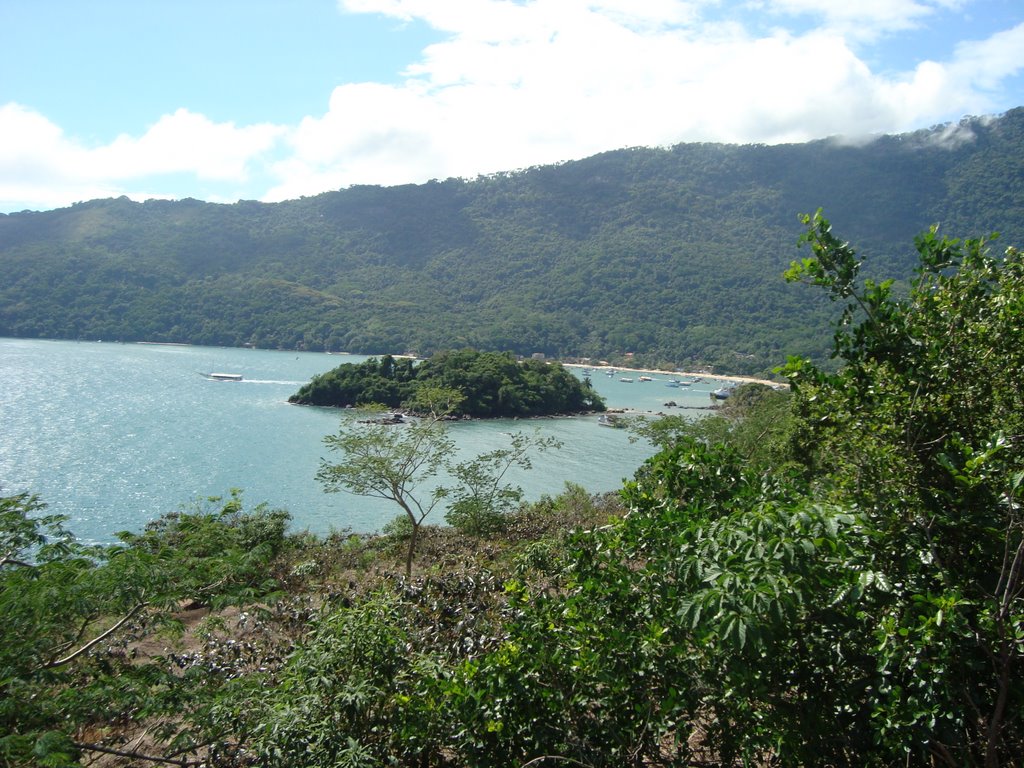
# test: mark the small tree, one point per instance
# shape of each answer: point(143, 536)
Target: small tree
point(397, 463)
point(392, 463)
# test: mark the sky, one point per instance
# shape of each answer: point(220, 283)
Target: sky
point(226, 100)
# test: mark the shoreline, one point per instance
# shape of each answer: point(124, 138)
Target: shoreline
point(715, 376)
point(402, 355)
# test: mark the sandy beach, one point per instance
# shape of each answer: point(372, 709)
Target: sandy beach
point(676, 374)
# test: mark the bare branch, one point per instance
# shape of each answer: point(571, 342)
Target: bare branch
point(13, 561)
point(96, 640)
point(134, 755)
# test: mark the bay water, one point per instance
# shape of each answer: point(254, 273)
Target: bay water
point(115, 435)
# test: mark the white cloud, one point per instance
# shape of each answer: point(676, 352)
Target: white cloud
point(863, 20)
point(518, 83)
point(983, 64)
point(968, 80)
point(190, 143)
point(35, 163)
point(40, 165)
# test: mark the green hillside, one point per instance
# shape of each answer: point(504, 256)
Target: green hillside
point(675, 254)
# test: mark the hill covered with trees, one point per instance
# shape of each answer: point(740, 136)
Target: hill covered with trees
point(673, 253)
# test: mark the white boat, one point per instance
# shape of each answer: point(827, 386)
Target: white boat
point(224, 376)
point(646, 378)
point(722, 393)
point(628, 381)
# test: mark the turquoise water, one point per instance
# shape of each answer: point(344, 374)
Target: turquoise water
point(114, 435)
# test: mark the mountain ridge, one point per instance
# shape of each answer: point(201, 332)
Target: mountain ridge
point(674, 253)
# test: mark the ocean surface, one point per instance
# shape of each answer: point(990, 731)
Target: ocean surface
point(114, 435)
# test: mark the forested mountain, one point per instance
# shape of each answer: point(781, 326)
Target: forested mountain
point(675, 254)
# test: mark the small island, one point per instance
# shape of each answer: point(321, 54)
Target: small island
point(492, 385)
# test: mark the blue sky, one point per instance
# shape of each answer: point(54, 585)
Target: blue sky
point(269, 100)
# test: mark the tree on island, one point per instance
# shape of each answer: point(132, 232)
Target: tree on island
point(397, 462)
point(491, 385)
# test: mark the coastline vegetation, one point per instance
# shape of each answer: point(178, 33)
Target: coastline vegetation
point(828, 576)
